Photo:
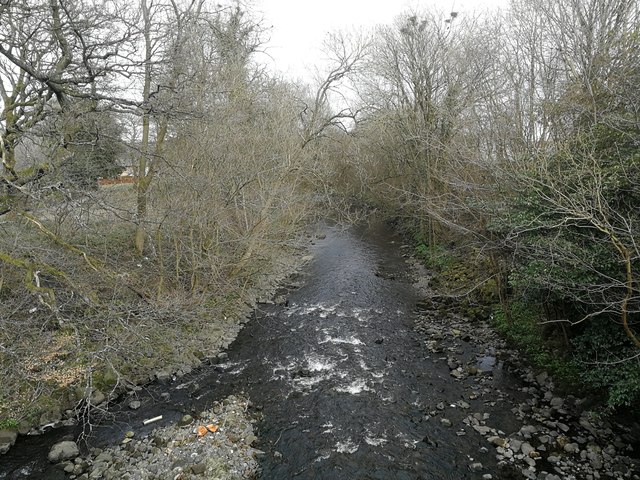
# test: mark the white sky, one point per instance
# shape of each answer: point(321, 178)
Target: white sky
point(299, 26)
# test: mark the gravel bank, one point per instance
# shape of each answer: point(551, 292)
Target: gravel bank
point(215, 445)
point(532, 430)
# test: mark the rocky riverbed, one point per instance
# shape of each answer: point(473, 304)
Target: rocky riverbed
point(554, 437)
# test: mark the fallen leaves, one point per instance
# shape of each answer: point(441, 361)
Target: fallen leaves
point(202, 430)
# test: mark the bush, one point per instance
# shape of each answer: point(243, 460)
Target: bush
point(609, 362)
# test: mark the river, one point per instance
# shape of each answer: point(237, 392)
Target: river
point(345, 385)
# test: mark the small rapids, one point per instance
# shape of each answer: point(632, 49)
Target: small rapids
point(340, 376)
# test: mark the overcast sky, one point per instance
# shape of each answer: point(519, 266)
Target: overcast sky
point(299, 26)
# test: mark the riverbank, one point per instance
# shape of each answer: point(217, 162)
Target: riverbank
point(123, 370)
point(531, 428)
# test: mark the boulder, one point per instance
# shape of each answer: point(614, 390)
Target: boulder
point(163, 375)
point(63, 451)
point(7, 440)
point(51, 417)
point(556, 402)
point(97, 397)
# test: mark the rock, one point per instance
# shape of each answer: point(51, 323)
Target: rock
point(163, 375)
point(185, 420)
point(8, 439)
point(556, 402)
point(446, 422)
point(571, 448)
point(528, 430)
point(135, 404)
point(199, 468)
point(165, 396)
point(51, 417)
point(526, 448)
point(542, 378)
point(497, 441)
point(97, 397)
point(515, 444)
point(476, 467)
point(63, 451)
point(222, 357)
point(482, 430)
point(97, 472)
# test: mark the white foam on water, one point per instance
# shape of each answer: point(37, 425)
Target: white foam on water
point(328, 428)
point(319, 363)
point(310, 381)
point(234, 368)
point(357, 386)
point(406, 441)
point(337, 340)
point(323, 310)
point(320, 458)
point(348, 446)
point(279, 371)
point(375, 442)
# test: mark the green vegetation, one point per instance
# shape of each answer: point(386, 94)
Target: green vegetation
point(525, 332)
point(8, 423)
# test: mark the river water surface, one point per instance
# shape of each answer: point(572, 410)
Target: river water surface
point(342, 378)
